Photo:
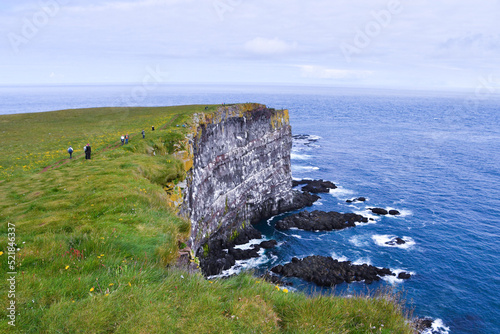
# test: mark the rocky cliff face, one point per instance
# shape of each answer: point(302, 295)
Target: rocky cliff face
point(240, 170)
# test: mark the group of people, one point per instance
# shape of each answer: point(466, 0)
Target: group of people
point(87, 149)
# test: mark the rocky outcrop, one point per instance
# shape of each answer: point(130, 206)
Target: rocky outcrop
point(239, 172)
point(219, 254)
point(320, 221)
point(315, 186)
point(325, 271)
point(395, 241)
point(354, 200)
point(383, 212)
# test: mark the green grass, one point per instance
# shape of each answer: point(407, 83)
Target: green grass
point(96, 239)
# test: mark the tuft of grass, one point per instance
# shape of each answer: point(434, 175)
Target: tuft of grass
point(97, 240)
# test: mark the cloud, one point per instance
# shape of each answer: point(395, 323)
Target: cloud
point(320, 72)
point(265, 46)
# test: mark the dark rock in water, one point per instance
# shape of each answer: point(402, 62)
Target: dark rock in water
point(354, 200)
point(268, 244)
point(325, 271)
point(422, 324)
point(404, 275)
point(318, 186)
point(320, 221)
point(379, 211)
point(217, 255)
point(395, 241)
point(305, 139)
point(394, 212)
point(300, 201)
point(244, 254)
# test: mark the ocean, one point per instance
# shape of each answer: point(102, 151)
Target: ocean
point(433, 156)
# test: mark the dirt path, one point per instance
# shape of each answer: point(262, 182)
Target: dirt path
point(109, 147)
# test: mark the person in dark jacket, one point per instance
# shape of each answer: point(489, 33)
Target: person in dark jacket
point(88, 150)
point(70, 151)
point(143, 134)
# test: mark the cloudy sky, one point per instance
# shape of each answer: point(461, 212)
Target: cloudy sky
point(416, 44)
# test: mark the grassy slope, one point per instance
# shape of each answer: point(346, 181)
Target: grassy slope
point(95, 236)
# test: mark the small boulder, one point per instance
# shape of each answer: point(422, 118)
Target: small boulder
point(404, 275)
point(379, 211)
point(394, 212)
point(268, 244)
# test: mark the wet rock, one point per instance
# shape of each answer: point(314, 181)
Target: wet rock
point(379, 211)
point(219, 254)
point(395, 241)
point(422, 324)
point(300, 200)
point(404, 275)
point(318, 186)
point(320, 221)
point(394, 212)
point(354, 200)
point(268, 244)
point(244, 254)
point(325, 271)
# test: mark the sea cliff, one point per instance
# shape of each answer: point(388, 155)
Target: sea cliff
point(238, 161)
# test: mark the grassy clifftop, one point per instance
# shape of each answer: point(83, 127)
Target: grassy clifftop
point(94, 239)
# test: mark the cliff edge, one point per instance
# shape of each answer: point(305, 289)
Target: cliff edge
point(238, 170)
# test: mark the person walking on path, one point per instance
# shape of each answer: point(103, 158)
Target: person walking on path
point(87, 150)
point(126, 138)
point(123, 139)
point(143, 134)
point(70, 151)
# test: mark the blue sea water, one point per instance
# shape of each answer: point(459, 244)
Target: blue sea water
point(435, 157)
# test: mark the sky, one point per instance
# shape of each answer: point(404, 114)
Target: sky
point(410, 44)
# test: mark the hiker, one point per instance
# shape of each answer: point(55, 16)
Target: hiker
point(126, 139)
point(143, 134)
point(87, 150)
point(123, 139)
point(152, 127)
point(70, 151)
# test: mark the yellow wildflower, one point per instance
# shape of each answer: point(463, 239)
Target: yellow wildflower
point(106, 295)
point(91, 289)
point(111, 284)
point(129, 284)
point(67, 267)
point(1, 253)
point(285, 290)
point(102, 255)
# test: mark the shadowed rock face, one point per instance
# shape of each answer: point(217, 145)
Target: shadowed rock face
point(325, 271)
point(241, 171)
point(320, 221)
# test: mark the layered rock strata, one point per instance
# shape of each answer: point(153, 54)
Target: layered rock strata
point(240, 171)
